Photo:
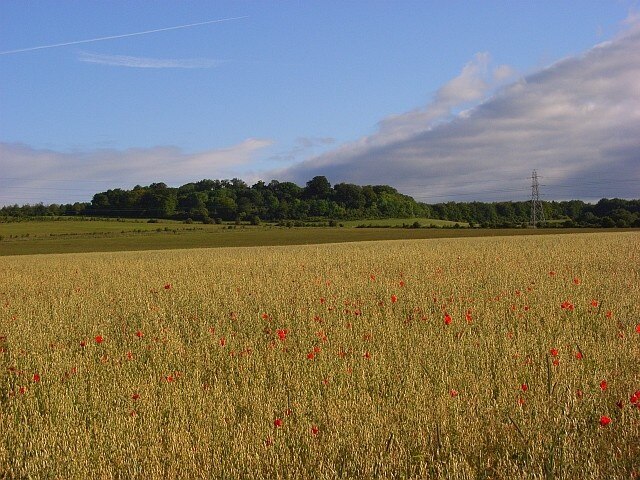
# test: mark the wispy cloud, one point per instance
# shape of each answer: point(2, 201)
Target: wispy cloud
point(113, 37)
point(143, 62)
point(577, 122)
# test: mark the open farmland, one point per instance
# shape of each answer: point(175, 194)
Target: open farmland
point(510, 357)
point(81, 236)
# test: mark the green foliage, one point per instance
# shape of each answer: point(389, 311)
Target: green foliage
point(606, 213)
point(275, 201)
point(228, 200)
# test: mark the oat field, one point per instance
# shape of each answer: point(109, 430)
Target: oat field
point(511, 357)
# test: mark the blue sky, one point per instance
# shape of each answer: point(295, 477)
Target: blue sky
point(443, 100)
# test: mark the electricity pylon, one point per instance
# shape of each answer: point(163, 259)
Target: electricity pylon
point(537, 212)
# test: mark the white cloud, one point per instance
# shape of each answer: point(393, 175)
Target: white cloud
point(577, 122)
point(469, 86)
point(35, 175)
point(503, 73)
point(472, 84)
point(142, 62)
point(302, 146)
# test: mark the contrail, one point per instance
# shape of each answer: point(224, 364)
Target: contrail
point(112, 37)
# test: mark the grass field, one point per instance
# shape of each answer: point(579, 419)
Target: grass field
point(34, 237)
point(512, 357)
point(399, 222)
point(69, 226)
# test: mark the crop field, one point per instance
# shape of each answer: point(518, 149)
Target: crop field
point(75, 236)
point(501, 357)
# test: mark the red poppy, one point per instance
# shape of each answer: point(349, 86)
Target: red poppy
point(169, 378)
point(282, 334)
point(83, 343)
point(314, 430)
point(604, 421)
point(609, 314)
point(567, 305)
point(579, 355)
point(447, 319)
point(277, 423)
point(603, 385)
point(139, 334)
point(99, 339)
point(554, 352)
point(135, 396)
point(223, 341)
point(454, 392)
point(576, 281)
point(638, 328)
point(594, 303)
point(22, 390)
point(579, 393)
point(167, 286)
point(264, 316)
point(556, 362)
point(401, 283)
point(36, 377)
point(552, 273)
point(635, 397)
point(468, 317)
point(311, 355)
point(367, 355)
point(524, 387)
point(394, 298)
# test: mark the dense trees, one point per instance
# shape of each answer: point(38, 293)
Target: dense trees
point(606, 213)
point(234, 199)
point(207, 200)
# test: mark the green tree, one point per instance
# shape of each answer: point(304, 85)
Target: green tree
point(318, 188)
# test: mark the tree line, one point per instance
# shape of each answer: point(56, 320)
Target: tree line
point(234, 200)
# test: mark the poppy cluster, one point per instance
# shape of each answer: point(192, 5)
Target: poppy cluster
point(567, 305)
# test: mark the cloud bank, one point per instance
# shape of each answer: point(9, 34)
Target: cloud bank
point(577, 122)
point(36, 175)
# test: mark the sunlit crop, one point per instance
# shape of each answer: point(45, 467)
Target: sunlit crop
point(465, 358)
